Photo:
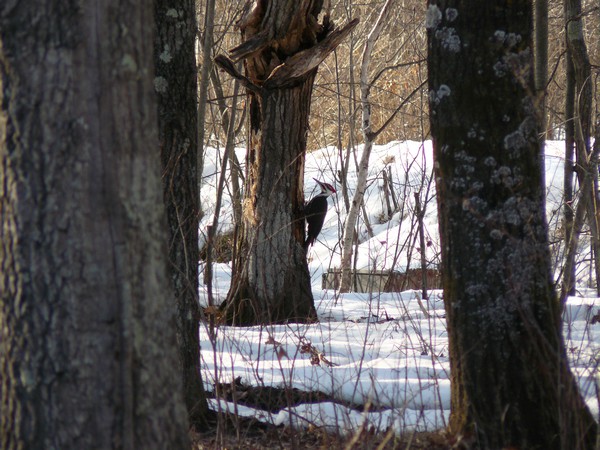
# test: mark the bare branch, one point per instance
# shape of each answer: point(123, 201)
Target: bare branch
point(374, 134)
point(228, 66)
point(307, 60)
point(397, 66)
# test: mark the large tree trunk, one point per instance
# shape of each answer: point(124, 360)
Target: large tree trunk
point(511, 385)
point(283, 44)
point(272, 282)
point(175, 62)
point(87, 348)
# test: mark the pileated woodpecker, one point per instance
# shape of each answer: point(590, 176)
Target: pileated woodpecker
point(315, 212)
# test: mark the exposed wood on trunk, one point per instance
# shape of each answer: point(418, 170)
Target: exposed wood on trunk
point(283, 43)
point(303, 62)
point(273, 283)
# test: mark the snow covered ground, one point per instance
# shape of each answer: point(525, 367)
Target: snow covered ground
point(385, 350)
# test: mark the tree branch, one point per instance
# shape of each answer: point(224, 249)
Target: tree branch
point(397, 66)
point(306, 60)
point(376, 133)
point(228, 66)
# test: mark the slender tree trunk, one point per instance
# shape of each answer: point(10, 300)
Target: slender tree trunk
point(229, 130)
point(578, 220)
point(88, 351)
point(582, 126)
point(343, 160)
point(175, 63)
point(368, 139)
point(541, 75)
point(541, 61)
point(568, 284)
point(212, 229)
point(511, 385)
point(420, 214)
point(207, 43)
point(283, 44)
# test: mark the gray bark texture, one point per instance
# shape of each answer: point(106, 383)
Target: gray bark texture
point(511, 385)
point(272, 282)
point(175, 63)
point(88, 353)
point(283, 44)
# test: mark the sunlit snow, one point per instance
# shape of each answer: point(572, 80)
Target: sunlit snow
point(385, 351)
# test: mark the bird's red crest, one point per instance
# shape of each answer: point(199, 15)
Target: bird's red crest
point(326, 187)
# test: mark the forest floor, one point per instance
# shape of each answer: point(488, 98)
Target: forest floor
point(228, 431)
point(388, 351)
point(234, 432)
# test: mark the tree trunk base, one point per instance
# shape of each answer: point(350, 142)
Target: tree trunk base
point(243, 307)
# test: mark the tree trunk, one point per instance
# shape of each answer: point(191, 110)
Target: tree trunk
point(229, 131)
point(283, 44)
point(207, 43)
point(88, 348)
point(175, 63)
point(541, 61)
point(368, 138)
point(582, 122)
point(511, 385)
point(212, 229)
point(540, 76)
point(568, 284)
point(272, 283)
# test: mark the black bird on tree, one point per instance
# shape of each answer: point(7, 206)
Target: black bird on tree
point(315, 212)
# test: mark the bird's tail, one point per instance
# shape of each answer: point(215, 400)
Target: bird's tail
point(307, 243)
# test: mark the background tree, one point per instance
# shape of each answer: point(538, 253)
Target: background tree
point(578, 112)
point(511, 385)
point(369, 135)
point(283, 44)
point(87, 351)
point(176, 88)
point(206, 39)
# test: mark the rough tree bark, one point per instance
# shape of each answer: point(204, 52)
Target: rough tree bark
point(176, 88)
point(283, 44)
point(87, 348)
point(511, 385)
